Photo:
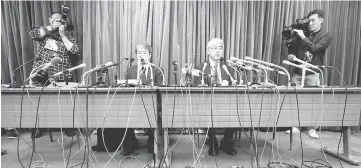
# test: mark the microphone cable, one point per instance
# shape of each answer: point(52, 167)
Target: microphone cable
point(61, 130)
point(209, 122)
point(36, 123)
point(194, 150)
point(161, 161)
point(131, 157)
point(86, 149)
point(277, 142)
point(146, 111)
point(343, 116)
point(72, 138)
point(189, 106)
point(126, 129)
point(102, 122)
point(81, 135)
point(239, 120)
point(107, 109)
point(213, 130)
point(21, 117)
point(299, 125)
point(321, 118)
point(18, 137)
point(250, 115)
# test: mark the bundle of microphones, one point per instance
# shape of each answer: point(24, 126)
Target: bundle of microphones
point(248, 64)
point(40, 72)
point(258, 66)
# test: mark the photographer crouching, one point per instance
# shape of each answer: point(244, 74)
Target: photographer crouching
point(308, 42)
point(54, 41)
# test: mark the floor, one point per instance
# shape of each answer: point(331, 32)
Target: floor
point(51, 154)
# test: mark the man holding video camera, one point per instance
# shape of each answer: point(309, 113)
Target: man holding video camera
point(309, 45)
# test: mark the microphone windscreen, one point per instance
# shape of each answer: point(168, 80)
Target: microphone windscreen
point(108, 64)
point(205, 65)
point(55, 60)
point(291, 57)
point(174, 63)
point(225, 68)
point(233, 58)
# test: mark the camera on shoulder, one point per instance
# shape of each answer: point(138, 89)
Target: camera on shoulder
point(302, 24)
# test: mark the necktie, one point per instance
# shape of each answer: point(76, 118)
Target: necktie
point(216, 73)
point(143, 77)
point(215, 79)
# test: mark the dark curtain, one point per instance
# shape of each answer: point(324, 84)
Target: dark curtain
point(180, 30)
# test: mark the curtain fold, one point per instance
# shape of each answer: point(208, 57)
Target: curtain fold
point(179, 31)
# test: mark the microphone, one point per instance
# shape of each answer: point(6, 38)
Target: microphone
point(175, 63)
point(54, 61)
point(323, 66)
point(197, 72)
point(254, 63)
point(107, 65)
point(204, 67)
point(130, 59)
point(292, 57)
point(70, 69)
point(259, 61)
point(231, 63)
point(243, 65)
point(230, 76)
point(271, 64)
point(96, 68)
point(298, 66)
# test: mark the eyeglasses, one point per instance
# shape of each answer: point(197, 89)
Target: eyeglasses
point(215, 48)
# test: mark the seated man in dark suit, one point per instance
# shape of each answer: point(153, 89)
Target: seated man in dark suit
point(219, 77)
point(146, 74)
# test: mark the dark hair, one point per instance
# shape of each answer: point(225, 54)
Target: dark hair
point(145, 45)
point(319, 13)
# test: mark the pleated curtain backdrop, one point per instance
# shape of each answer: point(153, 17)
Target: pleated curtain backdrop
point(179, 31)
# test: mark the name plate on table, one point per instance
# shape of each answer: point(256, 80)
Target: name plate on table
point(132, 82)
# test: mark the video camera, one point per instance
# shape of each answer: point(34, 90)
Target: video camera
point(302, 24)
point(64, 15)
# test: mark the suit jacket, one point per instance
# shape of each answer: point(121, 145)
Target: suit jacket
point(207, 80)
point(157, 75)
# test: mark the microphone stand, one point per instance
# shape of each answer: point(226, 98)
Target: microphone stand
point(276, 77)
point(254, 81)
point(303, 75)
point(126, 74)
point(100, 82)
point(175, 74)
point(66, 77)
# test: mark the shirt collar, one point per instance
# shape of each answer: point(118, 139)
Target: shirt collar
point(315, 33)
point(213, 63)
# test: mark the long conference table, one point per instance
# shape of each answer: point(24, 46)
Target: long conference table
point(163, 108)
